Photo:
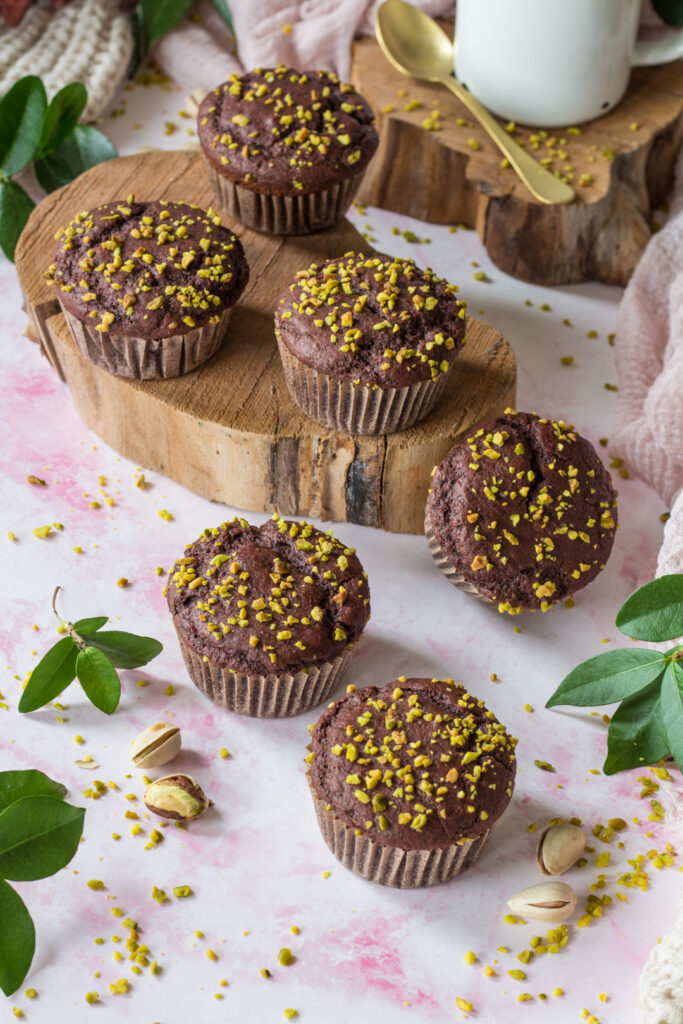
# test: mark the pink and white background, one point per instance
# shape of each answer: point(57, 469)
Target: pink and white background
point(256, 861)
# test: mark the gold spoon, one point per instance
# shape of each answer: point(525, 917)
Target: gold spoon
point(418, 47)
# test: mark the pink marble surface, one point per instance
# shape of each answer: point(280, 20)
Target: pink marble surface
point(256, 860)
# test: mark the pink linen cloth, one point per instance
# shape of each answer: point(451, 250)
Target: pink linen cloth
point(648, 430)
point(305, 34)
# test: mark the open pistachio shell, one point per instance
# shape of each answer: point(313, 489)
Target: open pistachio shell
point(157, 745)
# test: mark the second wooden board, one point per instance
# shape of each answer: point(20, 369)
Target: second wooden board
point(229, 430)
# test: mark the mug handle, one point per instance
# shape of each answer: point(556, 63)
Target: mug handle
point(658, 51)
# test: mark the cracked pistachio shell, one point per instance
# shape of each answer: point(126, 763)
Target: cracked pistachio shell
point(549, 901)
point(559, 848)
point(176, 796)
point(157, 745)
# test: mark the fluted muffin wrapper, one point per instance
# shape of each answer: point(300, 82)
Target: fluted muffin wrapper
point(283, 215)
point(148, 358)
point(278, 695)
point(356, 408)
point(446, 567)
point(391, 865)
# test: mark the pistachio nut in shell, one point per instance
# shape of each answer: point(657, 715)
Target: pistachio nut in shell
point(176, 796)
point(156, 745)
point(559, 848)
point(549, 901)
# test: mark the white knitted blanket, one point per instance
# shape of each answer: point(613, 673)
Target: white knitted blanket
point(88, 41)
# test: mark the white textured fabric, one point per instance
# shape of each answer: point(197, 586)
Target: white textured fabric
point(88, 41)
point(649, 351)
point(302, 33)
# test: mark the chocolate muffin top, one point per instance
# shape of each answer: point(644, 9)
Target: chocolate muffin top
point(148, 270)
point(371, 319)
point(418, 763)
point(524, 510)
point(285, 132)
point(268, 599)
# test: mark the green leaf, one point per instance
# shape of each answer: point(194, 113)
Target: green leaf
point(160, 16)
point(98, 678)
point(670, 11)
point(224, 12)
point(62, 115)
point(18, 784)
point(609, 677)
point(21, 116)
point(17, 939)
point(140, 41)
point(38, 836)
point(125, 650)
point(15, 209)
point(672, 709)
point(82, 148)
point(636, 734)
point(91, 625)
point(654, 611)
point(50, 676)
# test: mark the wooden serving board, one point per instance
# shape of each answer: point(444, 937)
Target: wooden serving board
point(454, 175)
point(229, 431)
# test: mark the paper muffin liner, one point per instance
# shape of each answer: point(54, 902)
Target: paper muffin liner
point(390, 865)
point(356, 408)
point(283, 215)
point(446, 567)
point(148, 358)
point(273, 696)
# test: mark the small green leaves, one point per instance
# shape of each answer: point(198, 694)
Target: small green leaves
point(62, 115)
point(38, 836)
point(654, 611)
point(125, 650)
point(90, 625)
point(16, 785)
point(91, 655)
point(51, 137)
point(609, 677)
point(21, 116)
point(648, 724)
point(17, 939)
point(672, 709)
point(636, 735)
point(50, 676)
point(15, 209)
point(98, 677)
point(82, 148)
point(160, 16)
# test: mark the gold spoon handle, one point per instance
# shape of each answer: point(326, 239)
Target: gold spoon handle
point(541, 183)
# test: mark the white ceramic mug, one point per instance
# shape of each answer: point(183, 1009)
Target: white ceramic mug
point(552, 63)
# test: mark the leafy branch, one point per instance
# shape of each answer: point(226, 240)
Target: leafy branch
point(648, 724)
point(50, 137)
point(91, 655)
point(39, 834)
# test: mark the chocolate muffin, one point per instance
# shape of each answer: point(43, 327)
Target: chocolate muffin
point(409, 779)
point(286, 150)
point(367, 341)
point(146, 288)
point(267, 616)
point(522, 514)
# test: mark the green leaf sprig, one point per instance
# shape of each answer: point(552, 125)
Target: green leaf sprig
point(92, 655)
point(152, 19)
point(39, 834)
point(648, 724)
point(49, 136)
